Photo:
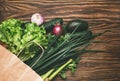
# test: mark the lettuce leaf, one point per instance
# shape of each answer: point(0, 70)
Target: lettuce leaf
point(16, 37)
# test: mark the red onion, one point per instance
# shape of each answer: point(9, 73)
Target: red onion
point(57, 30)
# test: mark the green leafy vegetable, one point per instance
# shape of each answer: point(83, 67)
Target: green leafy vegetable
point(16, 37)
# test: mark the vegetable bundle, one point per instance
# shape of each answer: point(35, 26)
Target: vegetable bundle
point(15, 36)
point(51, 48)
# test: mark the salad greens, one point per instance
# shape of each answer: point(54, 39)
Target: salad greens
point(16, 37)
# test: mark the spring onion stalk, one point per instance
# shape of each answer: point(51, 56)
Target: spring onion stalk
point(51, 62)
point(46, 75)
point(60, 69)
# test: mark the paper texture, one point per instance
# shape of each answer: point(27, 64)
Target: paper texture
point(12, 69)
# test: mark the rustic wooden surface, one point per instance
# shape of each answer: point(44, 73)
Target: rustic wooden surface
point(101, 15)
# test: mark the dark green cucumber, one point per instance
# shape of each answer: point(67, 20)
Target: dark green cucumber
point(80, 24)
point(50, 24)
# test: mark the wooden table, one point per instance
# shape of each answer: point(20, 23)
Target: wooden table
point(100, 14)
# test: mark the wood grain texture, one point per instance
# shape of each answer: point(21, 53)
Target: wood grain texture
point(100, 14)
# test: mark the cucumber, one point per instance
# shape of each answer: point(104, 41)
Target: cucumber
point(50, 24)
point(80, 24)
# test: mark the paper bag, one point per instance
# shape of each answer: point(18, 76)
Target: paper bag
point(12, 69)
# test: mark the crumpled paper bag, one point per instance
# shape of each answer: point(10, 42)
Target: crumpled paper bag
point(12, 69)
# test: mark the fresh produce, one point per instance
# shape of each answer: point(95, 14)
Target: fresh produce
point(16, 38)
point(65, 50)
point(49, 25)
point(37, 18)
point(44, 48)
point(57, 30)
point(81, 24)
point(60, 50)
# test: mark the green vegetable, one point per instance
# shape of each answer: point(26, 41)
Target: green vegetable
point(53, 72)
point(50, 24)
point(81, 24)
point(57, 56)
point(68, 47)
point(16, 37)
point(60, 69)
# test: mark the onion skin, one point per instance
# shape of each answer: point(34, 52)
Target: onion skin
point(57, 30)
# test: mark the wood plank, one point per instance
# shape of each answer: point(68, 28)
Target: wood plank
point(100, 14)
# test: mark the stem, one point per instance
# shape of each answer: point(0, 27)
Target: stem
point(61, 68)
point(51, 61)
point(47, 74)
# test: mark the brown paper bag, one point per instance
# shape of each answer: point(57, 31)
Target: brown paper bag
point(12, 69)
